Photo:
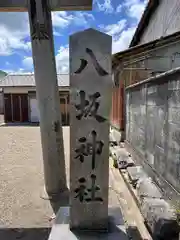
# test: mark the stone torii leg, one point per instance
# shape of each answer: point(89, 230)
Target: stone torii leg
point(48, 96)
point(46, 82)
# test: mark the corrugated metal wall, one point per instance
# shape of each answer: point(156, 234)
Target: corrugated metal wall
point(165, 21)
point(153, 125)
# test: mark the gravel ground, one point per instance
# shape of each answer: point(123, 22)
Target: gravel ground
point(21, 179)
point(23, 214)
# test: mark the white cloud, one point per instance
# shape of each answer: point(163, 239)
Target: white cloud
point(19, 71)
point(63, 13)
point(88, 15)
point(135, 8)
point(28, 63)
point(61, 19)
point(114, 29)
point(119, 8)
point(28, 45)
point(5, 49)
point(82, 18)
point(62, 60)
point(106, 6)
point(13, 29)
point(120, 43)
point(56, 33)
point(123, 41)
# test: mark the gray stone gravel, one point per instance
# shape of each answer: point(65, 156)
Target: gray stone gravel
point(21, 178)
point(23, 214)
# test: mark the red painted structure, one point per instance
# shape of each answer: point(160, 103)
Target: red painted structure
point(117, 111)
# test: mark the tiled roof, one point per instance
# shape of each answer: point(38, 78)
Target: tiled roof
point(29, 80)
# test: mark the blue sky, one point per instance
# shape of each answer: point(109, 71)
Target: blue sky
point(118, 18)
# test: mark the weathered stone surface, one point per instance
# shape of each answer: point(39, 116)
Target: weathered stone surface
point(113, 150)
point(112, 139)
point(119, 153)
point(160, 218)
point(90, 105)
point(47, 94)
point(110, 150)
point(147, 189)
point(159, 145)
point(123, 164)
point(135, 173)
point(121, 157)
point(116, 135)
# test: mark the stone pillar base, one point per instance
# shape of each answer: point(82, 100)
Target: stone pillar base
point(61, 230)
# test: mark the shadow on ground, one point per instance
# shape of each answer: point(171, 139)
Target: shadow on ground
point(24, 233)
point(133, 233)
point(60, 201)
point(61, 229)
point(35, 233)
point(116, 227)
point(113, 234)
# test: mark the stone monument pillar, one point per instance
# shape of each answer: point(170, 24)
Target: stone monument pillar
point(90, 105)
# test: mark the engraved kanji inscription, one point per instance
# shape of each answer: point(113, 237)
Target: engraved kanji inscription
point(94, 188)
point(85, 194)
point(56, 126)
point(89, 149)
point(89, 107)
point(82, 150)
point(97, 66)
point(81, 190)
point(82, 66)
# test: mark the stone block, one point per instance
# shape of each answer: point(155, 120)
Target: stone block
point(147, 189)
point(161, 218)
point(121, 157)
point(113, 150)
point(90, 106)
point(121, 154)
point(110, 150)
point(112, 138)
point(135, 173)
point(116, 227)
point(123, 164)
point(116, 135)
